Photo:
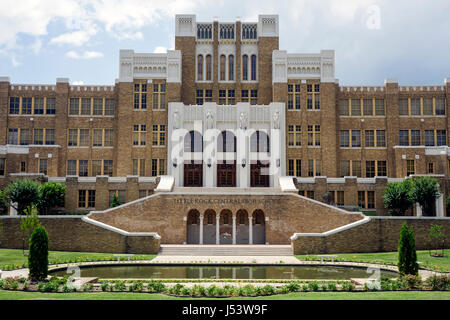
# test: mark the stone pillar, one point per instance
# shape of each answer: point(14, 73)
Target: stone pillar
point(234, 228)
point(233, 270)
point(418, 210)
point(440, 206)
point(250, 229)
point(200, 273)
point(217, 229)
point(200, 238)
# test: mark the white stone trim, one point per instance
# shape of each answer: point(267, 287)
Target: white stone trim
point(287, 184)
point(120, 231)
point(333, 231)
point(166, 184)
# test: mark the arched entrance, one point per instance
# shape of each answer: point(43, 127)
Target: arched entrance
point(242, 227)
point(193, 227)
point(226, 227)
point(259, 227)
point(209, 227)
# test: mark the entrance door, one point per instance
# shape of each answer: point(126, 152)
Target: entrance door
point(193, 174)
point(226, 174)
point(259, 174)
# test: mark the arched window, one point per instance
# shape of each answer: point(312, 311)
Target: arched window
point(210, 217)
point(193, 217)
point(259, 142)
point(226, 142)
point(253, 67)
point(222, 67)
point(258, 216)
point(245, 67)
point(208, 67)
point(193, 142)
point(200, 67)
point(230, 67)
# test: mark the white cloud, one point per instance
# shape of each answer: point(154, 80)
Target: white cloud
point(15, 63)
point(76, 38)
point(160, 50)
point(85, 55)
point(77, 83)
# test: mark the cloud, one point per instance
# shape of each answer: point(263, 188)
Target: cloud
point(15, 63)
point(77, 83)
point(85, 55)
point(76, 38)
point(160, 50)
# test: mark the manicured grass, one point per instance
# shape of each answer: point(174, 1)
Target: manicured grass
point(442, 264)
point(14, 257)
point(398, 295)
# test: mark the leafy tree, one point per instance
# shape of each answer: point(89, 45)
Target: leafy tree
point(425, 191)
point(115, 202)
point(52, 195)
point(407, 255)
point(38, 258)
point(24, 192)
point(436, 235)
point(3, 204)
point(398, 198)
point(28, 224)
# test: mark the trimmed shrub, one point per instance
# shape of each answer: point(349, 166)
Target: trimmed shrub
point(38, 256)
point(407, 256)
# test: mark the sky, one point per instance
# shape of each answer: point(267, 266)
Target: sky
point(374, 40)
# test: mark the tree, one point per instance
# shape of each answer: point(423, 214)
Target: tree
point(28, 224)
point(24, 192)
point(115, 202)
point(407, 256)
point(52, 195)
point(397, 197)
point(425, 191)
point(436, 235)
point(38, 258)
point(3, 204)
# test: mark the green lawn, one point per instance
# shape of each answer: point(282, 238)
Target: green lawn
point(442, 264)
point(399, 295)
point(14, 257)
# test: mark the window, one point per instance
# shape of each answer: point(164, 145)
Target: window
point(294, 136)
point(368, 107)
point(159, 96)
point(77, 166)
point(440, 106)
point(375, 138)
point(314, 135)
point(223, 67)
point(139, 135)
point(74, 106)
point(313, 97)
point(43, 166)
point(83, 168)
point(14, 105)
point(49, 136)
point(415, 137)
point(88, 195)
point(158, 167)
point(98, 107)
point(379, 107)
point(356, 138)
point(51, 106)
point(230, 67)
point(421, 106)
point(145, 193)
point(355, 107)
point(23, 166)
point(84, 138)
point(345, 139)
point(193, 142)
point(102, 167)
point(313, 168)
point(203, 96)
point(376, 168)
point(208, 68)
point(410, 167)
point(370, 169)
point(259, 142)
point(96, 168)
point(245, 67)
point(200, 67)
point(350, 168)
point(140, 96)
point(103, 138)
point(381, 168)
point(226, 31)
point(138, 167)
point(109, 107)
point(404, 137)
point(38, 136)
point(38, 105)
point(366, 199)
point(253, 60)
point(13, 136)
point(249, 31)
point(71, 167)
point(295, 167)
point(441, 137)
point(409, 137)
point(339, 198)
point(227, 97)
point(250, 96)
point(427, 106)
point(204, 31)
point(86, 106)
point(119, 193)
point(159, 135)
point(2, 166)
point(430, 167)
point(310, 194)
point(108, 167)
point(415, 107)
point(344, 107)
point(403, 107)
point(26, 105)
point(293, 97)
point(24, 135)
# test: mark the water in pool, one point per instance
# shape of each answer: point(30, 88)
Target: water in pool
point(224, 272)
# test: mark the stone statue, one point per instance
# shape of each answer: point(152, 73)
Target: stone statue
point(209, 120)
point(176, 120)
point(243, 121)
point(276, 120)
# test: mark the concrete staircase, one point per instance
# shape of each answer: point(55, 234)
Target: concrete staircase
point(225, 250)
